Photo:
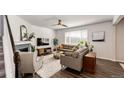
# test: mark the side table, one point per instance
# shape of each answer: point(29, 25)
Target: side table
point(89, 62)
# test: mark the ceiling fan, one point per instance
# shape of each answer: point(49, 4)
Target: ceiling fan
point(60, 23)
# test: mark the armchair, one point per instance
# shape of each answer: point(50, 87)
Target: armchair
point(26, 65)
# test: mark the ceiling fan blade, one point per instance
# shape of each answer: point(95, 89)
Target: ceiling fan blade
point(64, 25)
point(54, 25)
point(59, 23)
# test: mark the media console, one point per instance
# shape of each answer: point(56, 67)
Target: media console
point(43, 50)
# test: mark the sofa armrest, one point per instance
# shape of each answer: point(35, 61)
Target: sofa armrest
point(69, 58)
point(74, 63)
point(83, 53)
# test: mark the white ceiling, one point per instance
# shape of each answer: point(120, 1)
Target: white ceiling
point(69, 20)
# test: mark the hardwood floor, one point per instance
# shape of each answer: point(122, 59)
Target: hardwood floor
point(104, 69)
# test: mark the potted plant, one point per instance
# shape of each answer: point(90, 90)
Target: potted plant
point(90, 46)
point(31, 35)
point(55, 42)
point(32, 48)
point(82, 43)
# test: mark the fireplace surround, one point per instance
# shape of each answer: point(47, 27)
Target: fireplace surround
point(23, 46)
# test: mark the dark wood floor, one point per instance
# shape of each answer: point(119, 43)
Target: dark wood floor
point(104, 69)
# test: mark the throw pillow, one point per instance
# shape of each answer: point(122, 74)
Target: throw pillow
point(80, 50)
point(61, 46)
point(65, 46)
point(74, 48)
point(75, 54)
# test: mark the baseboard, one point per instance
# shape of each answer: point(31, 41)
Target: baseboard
point(105, 58)
point(119, 61)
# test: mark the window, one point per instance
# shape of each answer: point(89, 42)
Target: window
point(74, 37)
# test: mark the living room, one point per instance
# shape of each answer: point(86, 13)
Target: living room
point(61, 46)
point(45, 35)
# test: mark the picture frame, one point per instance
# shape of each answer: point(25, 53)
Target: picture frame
point(98, 36)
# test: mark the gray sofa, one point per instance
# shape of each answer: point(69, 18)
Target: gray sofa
point(66, 48)
point(74, 60)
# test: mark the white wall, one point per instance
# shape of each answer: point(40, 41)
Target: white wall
point(15, 23)
point(106, 49)
point(103, 49)
point(120, 41)
point(42, 32)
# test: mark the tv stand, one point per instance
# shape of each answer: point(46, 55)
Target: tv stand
point(43, 50)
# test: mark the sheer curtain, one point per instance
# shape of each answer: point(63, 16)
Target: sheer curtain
point(74, 37)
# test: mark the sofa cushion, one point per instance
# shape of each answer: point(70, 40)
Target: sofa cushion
point(66, 50)
point(66, 46)
point(77, 52)
point(75, 48)
point(81, 49)
point(68, 53)
point(70, 46)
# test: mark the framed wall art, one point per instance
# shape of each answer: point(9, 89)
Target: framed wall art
point(23, 33)
point(98, 36)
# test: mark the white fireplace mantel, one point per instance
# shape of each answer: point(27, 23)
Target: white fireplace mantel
point(23, 44)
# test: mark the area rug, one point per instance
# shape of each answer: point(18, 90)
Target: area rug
point(50, 66)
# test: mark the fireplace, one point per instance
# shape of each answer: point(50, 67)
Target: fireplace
point(24, 49)
point(23, 46)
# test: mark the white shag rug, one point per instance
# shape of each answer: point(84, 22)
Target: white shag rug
point(50, 66)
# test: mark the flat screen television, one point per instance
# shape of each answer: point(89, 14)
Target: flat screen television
point(42, 41)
